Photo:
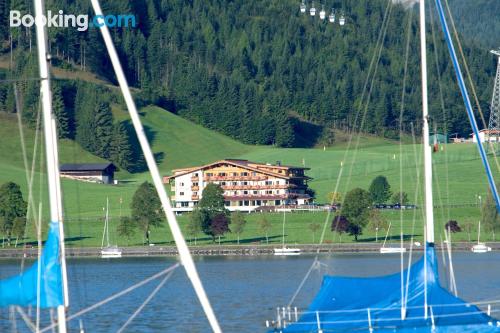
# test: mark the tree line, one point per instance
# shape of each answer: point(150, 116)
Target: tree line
point(260, 72)
point(83, 113)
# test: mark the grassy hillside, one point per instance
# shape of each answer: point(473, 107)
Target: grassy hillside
point(181, 143)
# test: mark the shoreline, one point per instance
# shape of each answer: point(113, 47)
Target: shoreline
point(230, 250)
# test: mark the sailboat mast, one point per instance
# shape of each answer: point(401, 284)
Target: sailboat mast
point(284, 219)
point(52, 152)
point(429, 205)
point(107, 221)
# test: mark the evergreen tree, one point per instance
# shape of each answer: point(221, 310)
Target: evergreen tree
point(380, 190)
point(62, 118)
point(120, 149)
point(103, 121)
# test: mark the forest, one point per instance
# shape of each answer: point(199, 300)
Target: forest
point(257, 71)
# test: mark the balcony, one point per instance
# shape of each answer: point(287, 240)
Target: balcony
point(195, 188)
point(195, 197)
point(195, 178)
point(235, 178)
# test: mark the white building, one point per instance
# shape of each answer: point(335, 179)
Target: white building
point(487, 135)
point(247, 185)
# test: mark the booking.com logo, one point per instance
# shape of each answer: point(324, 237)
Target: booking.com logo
point(61, 20)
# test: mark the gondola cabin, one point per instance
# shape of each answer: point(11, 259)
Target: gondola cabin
point(312, 11)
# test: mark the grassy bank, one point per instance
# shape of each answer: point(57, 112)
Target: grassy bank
point(459, 179)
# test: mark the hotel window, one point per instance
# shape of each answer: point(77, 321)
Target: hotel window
point(195, 184)
point(209, 174)
point(195, 193)
point(254, 173)
point(235, 183)
point(223, 183)
point(269, 192)
point(245, 183)
point(255, 192)
point(181, 193)
point(227, 203)
point(245, 192)
point(222, 174)
point(235, 193)
point(244, 174)
point(269, 182)
point(184, 204)
point(182, 184)
point(235, 174)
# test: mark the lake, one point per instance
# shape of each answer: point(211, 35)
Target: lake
point(244, 291)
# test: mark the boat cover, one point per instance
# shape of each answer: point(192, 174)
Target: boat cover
point(21, 289)
point(342, 305)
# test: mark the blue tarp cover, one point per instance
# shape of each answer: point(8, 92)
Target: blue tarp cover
point(22, 289)
point(343, 302)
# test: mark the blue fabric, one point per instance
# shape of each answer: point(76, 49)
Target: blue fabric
point(22, 289)
point(348, 299)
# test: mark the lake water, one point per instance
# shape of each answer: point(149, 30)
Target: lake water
point(244, 291)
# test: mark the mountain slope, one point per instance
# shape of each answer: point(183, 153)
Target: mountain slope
point(478, 21)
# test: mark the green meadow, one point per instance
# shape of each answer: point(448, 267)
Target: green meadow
point(459, 180)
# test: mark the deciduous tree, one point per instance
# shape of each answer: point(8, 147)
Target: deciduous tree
point(126, 228)
point(12, 206)
point(264, 226)
point(146, 209)
point(356, 209)
point(238, 223)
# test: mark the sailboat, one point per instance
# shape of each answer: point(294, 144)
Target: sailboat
point(108, 251)
point(411, 300)
point(44, 285)
point(391, 249)
point(480, 247)
point(284, 250)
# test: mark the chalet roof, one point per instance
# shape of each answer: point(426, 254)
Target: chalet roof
point(252, 166)
point(86, 167)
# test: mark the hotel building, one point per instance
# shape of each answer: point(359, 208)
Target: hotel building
point(247, 185)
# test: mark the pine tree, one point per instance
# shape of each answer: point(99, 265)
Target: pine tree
point(103, 120)
point(62, 117)
point(120, 150)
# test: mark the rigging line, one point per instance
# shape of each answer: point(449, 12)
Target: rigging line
point(39, 267)
point(313, 265)
point(401, 113)
point(452, 272)
point(368, 99)
point(434, 167)
point(29, 177)
point(443, 259)
point(380, 39)
point(26, 319)
point(469, 77)
point(184, 253)
point(374, 60)
point(146, 301)
point(443, 108)
point(115, 296)
point(407, 286)
point(467, 102)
